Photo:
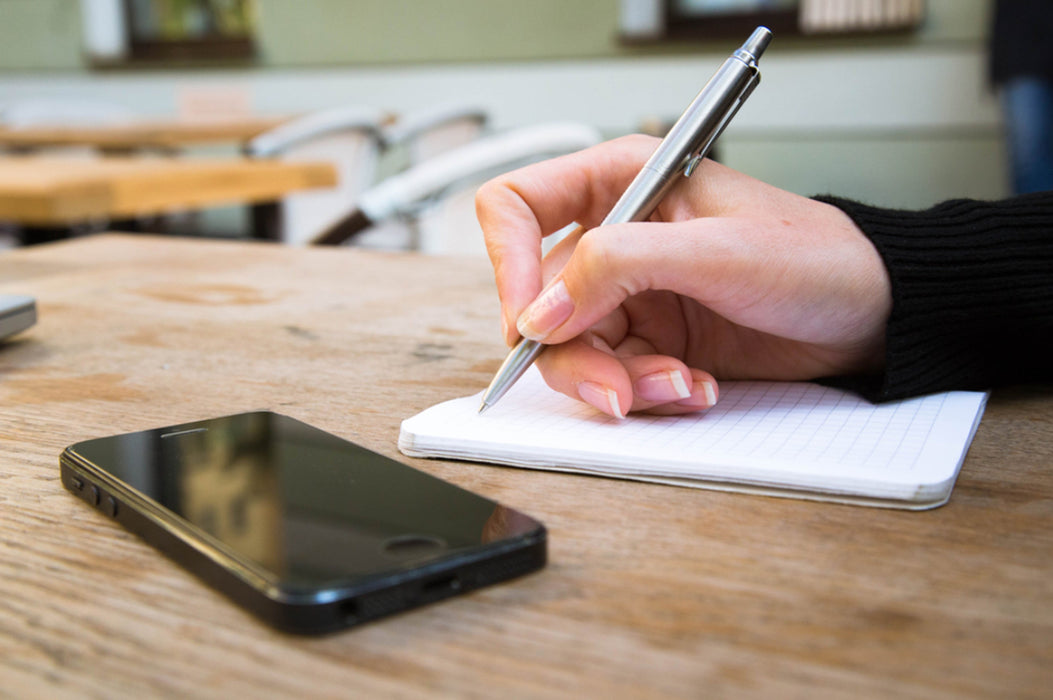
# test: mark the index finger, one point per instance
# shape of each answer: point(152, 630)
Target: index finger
point(518, 209)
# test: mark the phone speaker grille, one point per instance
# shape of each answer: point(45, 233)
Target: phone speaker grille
point(382, 603)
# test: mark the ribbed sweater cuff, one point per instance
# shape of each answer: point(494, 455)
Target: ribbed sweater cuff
point(972, 293)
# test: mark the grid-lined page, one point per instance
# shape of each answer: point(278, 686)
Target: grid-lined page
point(793, 434)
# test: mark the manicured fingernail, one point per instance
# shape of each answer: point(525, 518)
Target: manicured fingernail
point(597, 342)
point(662, 386)
point(546, 313)
point(601, 397)
point(703, 395)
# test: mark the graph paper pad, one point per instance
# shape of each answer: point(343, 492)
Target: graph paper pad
point(780, 438)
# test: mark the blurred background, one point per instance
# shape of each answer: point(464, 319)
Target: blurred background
point(887, 101)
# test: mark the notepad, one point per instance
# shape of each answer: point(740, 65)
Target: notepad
point(776, 438)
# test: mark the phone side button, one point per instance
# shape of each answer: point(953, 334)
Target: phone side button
point(109, 506)
point(93, 494)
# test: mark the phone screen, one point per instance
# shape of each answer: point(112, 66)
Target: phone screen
point(312, 509)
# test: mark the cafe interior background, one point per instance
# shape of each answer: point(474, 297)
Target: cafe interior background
point(887, 102)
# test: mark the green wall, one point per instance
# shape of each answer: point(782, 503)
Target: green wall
point(40, 34)
point(45, 34)
point(321, 32)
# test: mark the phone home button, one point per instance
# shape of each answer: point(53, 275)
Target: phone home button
point(412, 546)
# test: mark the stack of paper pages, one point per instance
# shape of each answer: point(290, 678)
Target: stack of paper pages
point(779, 438)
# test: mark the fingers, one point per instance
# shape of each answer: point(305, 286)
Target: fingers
point(704, 394)
point(586, 368)
point(520, 208)
point(665, 385)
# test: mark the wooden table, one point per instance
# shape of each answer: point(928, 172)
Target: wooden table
point(159, 134)
point(42, 192)
point(652, 591)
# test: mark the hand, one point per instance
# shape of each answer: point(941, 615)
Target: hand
point(731, 278)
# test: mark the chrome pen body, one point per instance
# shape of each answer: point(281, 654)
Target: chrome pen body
point(680, 152)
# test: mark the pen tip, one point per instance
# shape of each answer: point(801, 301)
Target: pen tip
point(482, 408)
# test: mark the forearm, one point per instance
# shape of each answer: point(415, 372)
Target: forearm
point(972, 292)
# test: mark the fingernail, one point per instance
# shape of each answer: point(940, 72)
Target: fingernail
point(546, 313)
point(703, 395)
point(601, 397)
point(662, 386)
point(710, 392)
point(597, 342)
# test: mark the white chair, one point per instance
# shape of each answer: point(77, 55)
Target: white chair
point(349, 138)
point(411, 139)
point(426, 133)
point(438, 195)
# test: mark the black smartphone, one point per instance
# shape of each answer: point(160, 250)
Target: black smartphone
point(308, 531)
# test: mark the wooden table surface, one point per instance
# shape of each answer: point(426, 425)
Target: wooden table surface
point(52, 191)
point(164, 134)
point(651, 591)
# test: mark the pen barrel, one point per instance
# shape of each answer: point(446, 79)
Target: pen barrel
point(642, 197)
point(689, 138)
point(516, 363)
point(686, 143)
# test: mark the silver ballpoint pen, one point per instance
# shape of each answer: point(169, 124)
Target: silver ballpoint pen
point(680, 151)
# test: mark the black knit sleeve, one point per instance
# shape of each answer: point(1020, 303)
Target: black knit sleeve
point(972, 294)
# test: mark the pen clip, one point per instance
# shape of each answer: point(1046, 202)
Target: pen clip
point(694, 161)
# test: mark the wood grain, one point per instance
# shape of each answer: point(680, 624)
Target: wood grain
point(52, 191)
point(652, 591)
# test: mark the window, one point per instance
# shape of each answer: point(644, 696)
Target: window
point(190, 30)
point(650, 20)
